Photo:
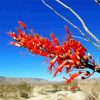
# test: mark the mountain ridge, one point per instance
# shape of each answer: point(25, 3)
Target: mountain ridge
point(14, 80)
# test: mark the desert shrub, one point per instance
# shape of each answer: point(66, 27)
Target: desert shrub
point(65, 87)
point(8, 91)
point(15, 91)
point(24, 95)
point(56, 87)
point(25, 89)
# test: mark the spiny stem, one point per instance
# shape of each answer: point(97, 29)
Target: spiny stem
point(76, 27)
point(81, 20)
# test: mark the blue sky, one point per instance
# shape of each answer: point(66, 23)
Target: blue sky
point(37, 16)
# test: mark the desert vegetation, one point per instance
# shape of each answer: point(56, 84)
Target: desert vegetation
point(22, 90)
point(87, 90)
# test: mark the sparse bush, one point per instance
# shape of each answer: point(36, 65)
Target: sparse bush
point(14, 91)
point(8, 91)
point(25, 90)
point(24, 95)
point(66, 88)
point(56, 87)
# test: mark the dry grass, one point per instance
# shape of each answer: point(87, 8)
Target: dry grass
point(89, 90)
point(91, 87)
point(23, 90)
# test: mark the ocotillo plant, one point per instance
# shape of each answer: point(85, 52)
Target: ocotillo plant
point(70, 55)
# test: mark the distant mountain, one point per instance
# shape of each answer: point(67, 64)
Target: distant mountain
point(12, 80)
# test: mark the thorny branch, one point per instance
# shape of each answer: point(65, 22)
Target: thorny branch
point(76, 27)
point(84, 39)
point(81, 20)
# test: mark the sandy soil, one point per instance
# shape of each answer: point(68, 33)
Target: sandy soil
point(50, 92)
point(61, 95)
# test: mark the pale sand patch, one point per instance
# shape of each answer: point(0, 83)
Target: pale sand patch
point(61, 95)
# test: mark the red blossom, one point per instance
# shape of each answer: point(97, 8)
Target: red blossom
point(72, 77)
point(23, 25)
point(71, 54)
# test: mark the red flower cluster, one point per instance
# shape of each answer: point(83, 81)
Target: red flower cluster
point(71, 54)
